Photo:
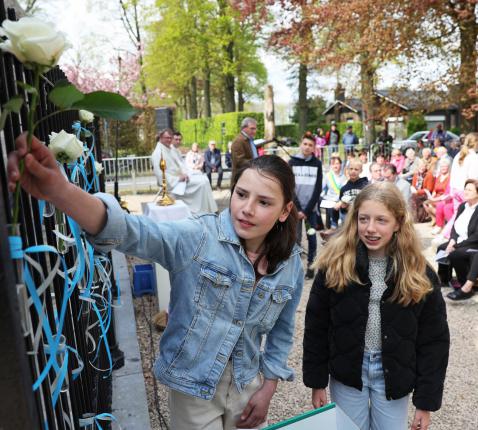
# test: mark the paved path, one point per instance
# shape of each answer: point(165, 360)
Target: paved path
point(461, 385)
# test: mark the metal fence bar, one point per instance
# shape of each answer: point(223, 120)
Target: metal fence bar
point(21, 407)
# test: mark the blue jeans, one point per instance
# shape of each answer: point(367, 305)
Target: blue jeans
point(369, 409)
point(331, 218)
point(311, 239)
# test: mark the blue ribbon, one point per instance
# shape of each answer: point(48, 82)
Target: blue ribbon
point(84, 422)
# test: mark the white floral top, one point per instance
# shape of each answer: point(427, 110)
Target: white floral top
point(377, 271)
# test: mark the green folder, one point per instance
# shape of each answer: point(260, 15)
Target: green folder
point(328, 417)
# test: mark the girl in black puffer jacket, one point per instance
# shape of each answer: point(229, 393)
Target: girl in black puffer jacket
point(376, 319)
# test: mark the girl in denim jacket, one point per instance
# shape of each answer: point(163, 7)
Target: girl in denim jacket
point(236, 281)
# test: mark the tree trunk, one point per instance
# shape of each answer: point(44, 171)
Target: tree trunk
point(303, 106)
point(467, 72)
point(240, 100)
point(187, 103)
point(229, 84)
point(369, 109)
point(228, 77)
point(207, 93)
point(269, 124)
point(193, 106)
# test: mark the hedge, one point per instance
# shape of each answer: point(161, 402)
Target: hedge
point(416, 123)
point(203, 130)
point(287, 130)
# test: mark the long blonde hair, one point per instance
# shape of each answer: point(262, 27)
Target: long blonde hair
point(470, 144)
point(338, 258)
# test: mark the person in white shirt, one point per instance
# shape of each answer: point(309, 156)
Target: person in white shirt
point(464, 166)
point(194, 190)
point(194, 159)
point(462, 248)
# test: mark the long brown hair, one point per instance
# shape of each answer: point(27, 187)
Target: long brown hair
point(338, 258)
point(280, 241)
point(470, 144)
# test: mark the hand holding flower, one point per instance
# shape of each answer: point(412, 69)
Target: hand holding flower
point(41, 177)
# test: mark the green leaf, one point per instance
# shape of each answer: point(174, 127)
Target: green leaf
point(106, 105)
point(14, 104)
point(27, 87)
point(64, 95)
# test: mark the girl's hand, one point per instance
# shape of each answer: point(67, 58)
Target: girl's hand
point(301, 215)
point(319, 397)
point(255, 412)
point(43, 180)
point(41, 176)
point(421, 420)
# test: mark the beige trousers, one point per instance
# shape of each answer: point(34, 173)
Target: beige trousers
point(220, 413)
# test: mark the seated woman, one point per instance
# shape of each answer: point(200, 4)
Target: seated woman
point(398, 160)
point(440, 204)
point(464, 237)
point(410, 165)
point(194, 159)
point(423, 182)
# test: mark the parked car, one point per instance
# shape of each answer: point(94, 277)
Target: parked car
point(411, 142)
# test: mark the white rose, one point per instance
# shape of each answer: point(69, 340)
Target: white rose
point(86, 116)
point(311, 231)
point(66, 147)
point(33, 42)
point(98, 167)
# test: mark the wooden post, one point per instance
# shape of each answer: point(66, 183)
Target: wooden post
point(269, 123)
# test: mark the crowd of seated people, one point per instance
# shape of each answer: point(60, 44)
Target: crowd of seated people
point(437, 181)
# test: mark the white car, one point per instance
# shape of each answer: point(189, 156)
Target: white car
point(411, 142)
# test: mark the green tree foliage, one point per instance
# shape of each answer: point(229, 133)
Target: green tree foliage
point(316, 105)
point(193, 51)
point(416, 123)
point(222, 128)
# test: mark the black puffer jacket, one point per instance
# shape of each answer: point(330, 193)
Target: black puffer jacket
point(415, 338)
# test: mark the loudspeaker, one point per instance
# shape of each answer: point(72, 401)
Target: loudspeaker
point(164, 118)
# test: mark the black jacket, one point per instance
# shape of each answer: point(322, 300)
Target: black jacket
point(352, 190)
point(415, 338)
point(472, 241)
point(308, 183)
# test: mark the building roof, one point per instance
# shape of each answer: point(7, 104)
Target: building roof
point(404, 99)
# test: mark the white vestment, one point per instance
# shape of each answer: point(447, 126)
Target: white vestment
point(198, 193)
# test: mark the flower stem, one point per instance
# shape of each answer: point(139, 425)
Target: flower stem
point(30, 129)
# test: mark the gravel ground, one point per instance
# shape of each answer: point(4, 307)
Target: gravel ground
point(461, 392)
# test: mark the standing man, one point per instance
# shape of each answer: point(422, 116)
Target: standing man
point(441, 134)
point(349, 140)
point(243, 148)
point(332, 138)
point(212, 163)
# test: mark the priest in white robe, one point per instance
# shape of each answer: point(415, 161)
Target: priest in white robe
point(192, 189)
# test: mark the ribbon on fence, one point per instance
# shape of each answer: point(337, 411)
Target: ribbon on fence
point(94, 420)
point(97, 296)
point(79, 168)
point(58, 353)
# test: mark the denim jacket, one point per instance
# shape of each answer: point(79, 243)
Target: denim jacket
point(216, 313)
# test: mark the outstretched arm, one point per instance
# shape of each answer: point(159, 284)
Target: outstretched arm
point(43, 180)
